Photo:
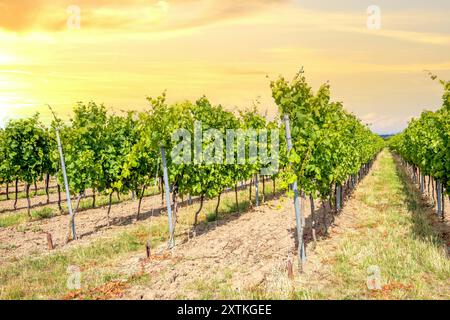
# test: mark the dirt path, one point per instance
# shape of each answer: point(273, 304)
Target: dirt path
point(248, 257)
point(237, 255)
point(243, 257)
point(387, 232)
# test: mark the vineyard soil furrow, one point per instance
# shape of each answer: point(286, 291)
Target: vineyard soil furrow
point(30, 238)
point(256, 249)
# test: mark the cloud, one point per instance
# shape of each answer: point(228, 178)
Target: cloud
point(169, 15)
point(144, 15)
point(384, 123)
point(409, 36)
point(39, 15)
point(19, 15)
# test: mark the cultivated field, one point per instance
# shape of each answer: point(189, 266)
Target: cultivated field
point(384, 223)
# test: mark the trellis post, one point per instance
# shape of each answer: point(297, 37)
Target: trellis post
point(167, 190)
point(298, 213)
point(257, 190)
point(439, 198)
point(66, 183)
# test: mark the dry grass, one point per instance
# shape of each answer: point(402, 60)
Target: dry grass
point(390, 229)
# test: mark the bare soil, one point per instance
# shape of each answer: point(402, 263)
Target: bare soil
point(31, 238)
point(240, 252)
point(243, 254)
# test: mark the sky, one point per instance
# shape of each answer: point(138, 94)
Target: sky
point(119, 52)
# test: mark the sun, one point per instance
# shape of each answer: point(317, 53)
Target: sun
point(6, 59)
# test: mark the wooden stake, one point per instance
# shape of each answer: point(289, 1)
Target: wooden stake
point(50, 242)
point(290, 270)
point(148, 249)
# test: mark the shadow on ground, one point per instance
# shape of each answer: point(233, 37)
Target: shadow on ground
point(421, 205)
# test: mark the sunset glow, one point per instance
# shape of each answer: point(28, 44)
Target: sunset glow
point(228, 50)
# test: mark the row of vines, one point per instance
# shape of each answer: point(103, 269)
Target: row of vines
point(331, 149)
point(108, 153)
point(425, 149)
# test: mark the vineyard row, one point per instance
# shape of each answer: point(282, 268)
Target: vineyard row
point(324, 149)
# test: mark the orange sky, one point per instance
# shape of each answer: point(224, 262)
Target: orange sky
point(126, 50)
